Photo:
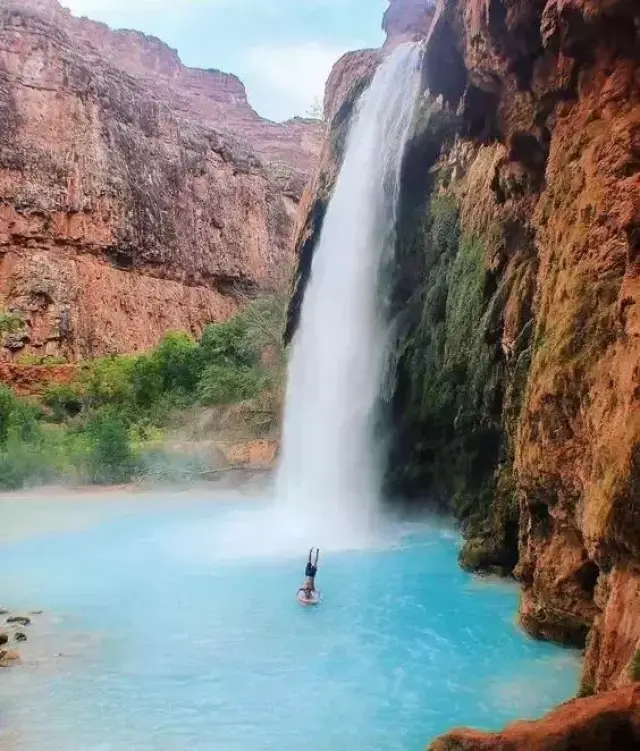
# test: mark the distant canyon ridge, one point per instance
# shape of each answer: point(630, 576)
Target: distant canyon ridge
point(136, 195)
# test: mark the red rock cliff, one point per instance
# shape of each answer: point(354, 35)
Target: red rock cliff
point(534, 163)
point(560, 85)
point(610, 722)
point(135, 193)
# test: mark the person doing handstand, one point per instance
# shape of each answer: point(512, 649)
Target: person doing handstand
point(311, 569)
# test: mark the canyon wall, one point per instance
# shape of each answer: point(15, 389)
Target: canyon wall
point(136, 195)
point(517, 290)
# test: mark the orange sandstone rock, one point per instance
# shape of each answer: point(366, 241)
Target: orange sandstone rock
point(34, 380)
point(135, 194)
point(609, 722)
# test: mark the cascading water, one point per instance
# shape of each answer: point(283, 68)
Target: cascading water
point(330, 473)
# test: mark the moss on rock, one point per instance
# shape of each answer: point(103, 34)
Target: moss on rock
point(634, 667)
point(455, 393)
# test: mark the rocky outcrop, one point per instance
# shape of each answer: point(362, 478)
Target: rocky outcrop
point(13, 631)
point(35, 380)
point(9, 658)
point(517, 400)
point(610, 722)
point(135, 194)
point(567, 110)
point(407, 20)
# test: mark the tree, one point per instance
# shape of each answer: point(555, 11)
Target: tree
point(7, 405)
point(315, 110)
point(110, 457)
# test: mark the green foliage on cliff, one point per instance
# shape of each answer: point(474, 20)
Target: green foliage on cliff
point(10, 323)
point(97, 428)
point(449, 437)
point(634, 667)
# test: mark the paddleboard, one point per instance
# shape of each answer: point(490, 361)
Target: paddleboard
point(315, 598)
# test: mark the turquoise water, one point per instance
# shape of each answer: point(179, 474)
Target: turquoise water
point(167, 644)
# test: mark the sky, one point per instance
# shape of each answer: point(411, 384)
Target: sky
point(282, 50)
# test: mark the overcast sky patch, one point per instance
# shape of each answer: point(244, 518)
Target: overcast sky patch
point(282, 50)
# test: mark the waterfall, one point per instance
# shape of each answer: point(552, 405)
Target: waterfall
point(331, 469)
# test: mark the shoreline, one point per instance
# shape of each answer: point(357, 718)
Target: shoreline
point(205, 479)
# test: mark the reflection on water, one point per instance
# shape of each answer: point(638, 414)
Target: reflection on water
point(166, 628)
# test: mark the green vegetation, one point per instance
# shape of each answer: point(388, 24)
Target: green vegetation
point(10, 323)
point(448, 407)
point(110, 457)
point(586, 689)
point(104, 427)
point(634, 667)
point(27, 360)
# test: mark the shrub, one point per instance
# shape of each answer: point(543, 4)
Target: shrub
point(177, 362)
point(17, 465)
point(64, 402)
point(107, 380)
point(51, 454)
point(110, 458)
point(171, 368)
point(7, 405)
point(223, 384)
point(26, 422)
point(228, 342)
point(18, 418)
point(10, 323)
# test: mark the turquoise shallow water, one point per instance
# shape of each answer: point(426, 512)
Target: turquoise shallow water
point(167, 646)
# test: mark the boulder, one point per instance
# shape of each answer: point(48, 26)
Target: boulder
point(19, 620)
point(9, 657)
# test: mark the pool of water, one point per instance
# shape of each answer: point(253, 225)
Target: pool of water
point(163, 631)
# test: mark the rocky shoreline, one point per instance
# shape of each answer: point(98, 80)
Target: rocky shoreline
point(12, 633)
point(608, 722)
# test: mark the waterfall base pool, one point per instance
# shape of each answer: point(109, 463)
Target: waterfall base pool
point(152, 641)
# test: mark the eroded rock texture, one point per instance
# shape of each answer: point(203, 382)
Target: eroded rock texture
point(135, 193)
point(610, 722)
point(517, 402)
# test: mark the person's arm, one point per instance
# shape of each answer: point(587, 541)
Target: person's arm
point(317, 556)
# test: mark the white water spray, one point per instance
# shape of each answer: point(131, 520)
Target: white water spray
point(330, 474)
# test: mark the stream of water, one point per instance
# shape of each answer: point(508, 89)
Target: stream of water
point(330, 474)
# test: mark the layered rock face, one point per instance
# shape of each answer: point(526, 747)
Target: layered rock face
point(517, 401)
point(135, 194)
